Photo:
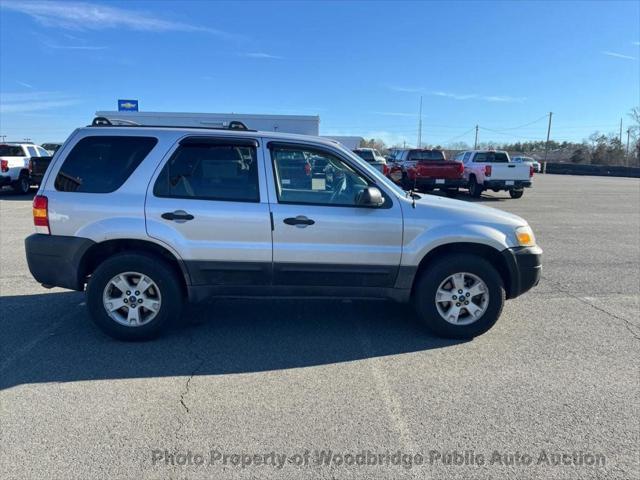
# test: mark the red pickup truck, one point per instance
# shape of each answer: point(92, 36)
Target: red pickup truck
point(426, 170)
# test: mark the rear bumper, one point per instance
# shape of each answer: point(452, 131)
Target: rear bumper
point(55, 260)
point(440, 182)
point(525, 269)
point(502, 184)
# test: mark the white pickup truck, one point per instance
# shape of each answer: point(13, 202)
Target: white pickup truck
point(492, 170)
point(14, 164)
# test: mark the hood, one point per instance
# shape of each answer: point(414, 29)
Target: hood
point(459, 210)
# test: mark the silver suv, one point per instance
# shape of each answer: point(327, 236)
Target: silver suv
point(148, 217)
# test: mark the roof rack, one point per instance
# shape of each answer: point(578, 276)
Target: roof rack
point(105, 122)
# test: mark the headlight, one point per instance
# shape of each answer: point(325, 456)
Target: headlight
point(525, 236)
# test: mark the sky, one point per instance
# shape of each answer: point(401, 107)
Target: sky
point(362, 66)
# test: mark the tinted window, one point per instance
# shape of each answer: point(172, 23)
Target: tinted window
point(365, 155)
point(11, 151)
point(426, 155)
point(211, 172)
point(329, 182)
point(102, 164)
point(42, 152)
point(466, 156)
point(32, 151)
point(491, 157)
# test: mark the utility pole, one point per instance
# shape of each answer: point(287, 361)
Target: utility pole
point(620, 132)
point(627, 156)
point(546, 146)
point(420, 124)
point(475, 143)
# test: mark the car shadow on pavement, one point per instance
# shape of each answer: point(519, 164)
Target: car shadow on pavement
point(10, 195)
point(50, 338)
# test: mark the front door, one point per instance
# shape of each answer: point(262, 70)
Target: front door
point(205, 203)
point(321, 237)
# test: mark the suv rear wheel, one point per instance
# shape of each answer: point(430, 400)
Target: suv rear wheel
point(132, 296)
point(459, 296)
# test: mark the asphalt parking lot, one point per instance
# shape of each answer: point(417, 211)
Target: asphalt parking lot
point(558, 373)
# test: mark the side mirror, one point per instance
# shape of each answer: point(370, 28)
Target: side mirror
point(370, 197)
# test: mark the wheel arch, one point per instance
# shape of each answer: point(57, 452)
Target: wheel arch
point(99, 252)
point(491, 254)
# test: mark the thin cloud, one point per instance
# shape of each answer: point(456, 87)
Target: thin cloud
point(75, 47)
point(87, 16)
point(22, 102)
point(397, 88)
point(24, 84)
point(475, 96)
point(262, 55)
point(618, 55)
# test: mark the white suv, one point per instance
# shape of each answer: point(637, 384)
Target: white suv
point(14, 164)
point(147, 217)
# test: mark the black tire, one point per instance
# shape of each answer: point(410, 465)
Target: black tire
point(451, 192)
point(427, 284)
point(153, 267)
point(516, 193)
point(22, 185)
point(475, 189)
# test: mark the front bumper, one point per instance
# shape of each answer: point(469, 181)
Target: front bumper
point(55, 260)
point(5, 180)
point(502, 184)
point(524, 266)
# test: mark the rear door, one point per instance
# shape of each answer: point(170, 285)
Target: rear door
point(207, 201)
point(321, 238)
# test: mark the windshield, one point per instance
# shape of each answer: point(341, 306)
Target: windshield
point(11, 151)
point(426, 155)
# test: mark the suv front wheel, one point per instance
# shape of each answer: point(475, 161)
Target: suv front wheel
point(132, 296)
point(459, 296)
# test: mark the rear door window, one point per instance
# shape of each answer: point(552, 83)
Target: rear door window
point(101, 164)
point(32, 151)
point(210, 171)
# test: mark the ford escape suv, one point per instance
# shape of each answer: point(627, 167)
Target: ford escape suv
point(145, 218)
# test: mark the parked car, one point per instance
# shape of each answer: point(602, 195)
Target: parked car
point(51, 147)
point(426, 170)
point(14, 164)
point(146, 218)
point(373, 157)
point(532, 161)
point(492, 170)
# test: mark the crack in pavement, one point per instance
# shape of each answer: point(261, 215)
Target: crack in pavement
point(627, 323)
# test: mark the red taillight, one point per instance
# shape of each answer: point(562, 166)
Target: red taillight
point(41, 213)
point(385, 170)
point(460, 169)
point(487, 170)
point(531, 170)
point(4, 165)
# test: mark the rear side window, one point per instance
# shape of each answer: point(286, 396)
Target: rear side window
point(11, 151)
point(102, 164)
point(208, 171)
